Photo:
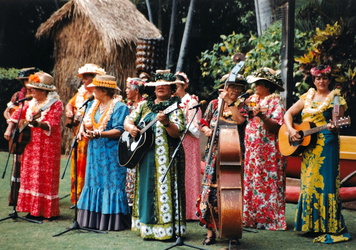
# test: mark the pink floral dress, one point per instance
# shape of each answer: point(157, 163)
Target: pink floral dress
point(264, 175)
point(191, 144)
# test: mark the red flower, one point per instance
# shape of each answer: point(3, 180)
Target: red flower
point(203, 122)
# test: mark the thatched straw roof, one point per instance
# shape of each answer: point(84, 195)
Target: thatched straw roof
point(116, 21)
point(104, 32)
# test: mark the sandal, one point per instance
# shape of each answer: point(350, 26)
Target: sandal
point(210, 240)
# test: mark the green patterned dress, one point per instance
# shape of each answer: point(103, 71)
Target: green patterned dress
point(155, 208)
point(319, 206)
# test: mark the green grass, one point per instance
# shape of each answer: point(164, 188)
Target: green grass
point(19, 234)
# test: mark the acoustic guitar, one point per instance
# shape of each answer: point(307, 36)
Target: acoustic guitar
point(132, 149)
point(307, 132)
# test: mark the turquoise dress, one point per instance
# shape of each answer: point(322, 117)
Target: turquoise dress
point(103, 203)
point(319, 206)
point(155, 207)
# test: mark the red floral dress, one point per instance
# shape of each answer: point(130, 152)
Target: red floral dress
point(191, 144)
point(264, 175)
point(40, 164)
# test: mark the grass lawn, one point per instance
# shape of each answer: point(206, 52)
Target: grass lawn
point(19, 234)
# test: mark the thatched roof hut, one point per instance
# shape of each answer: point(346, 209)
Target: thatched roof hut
point(104, 32)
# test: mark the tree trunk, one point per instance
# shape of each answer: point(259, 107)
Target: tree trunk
point(187, 30)
point(264, 15)
point(149, 11)
point(170, 47)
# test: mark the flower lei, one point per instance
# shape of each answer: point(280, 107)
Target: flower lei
point(263, 103)
point(104, 119)
point(34, 106)
point(324, 105)
point(80, 97)
point(162, 105)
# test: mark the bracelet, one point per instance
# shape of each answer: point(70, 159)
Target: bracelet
point(167, 125)
point(231, 104)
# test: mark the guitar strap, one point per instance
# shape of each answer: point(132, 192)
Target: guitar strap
point(49, 104)
point(336, 108)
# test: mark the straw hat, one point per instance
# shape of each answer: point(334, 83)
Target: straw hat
point(162, 77)
point(239, 81)
point(41, 80)
point(104, 81)
point(26, 72)
point(266, 74)
point(90, 68)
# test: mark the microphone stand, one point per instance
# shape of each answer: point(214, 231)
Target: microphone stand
point(16, 174)
point(180, 241)
point(76, 225)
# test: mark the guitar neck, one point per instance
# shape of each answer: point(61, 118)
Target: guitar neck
point(143, 130)
point(314, 130)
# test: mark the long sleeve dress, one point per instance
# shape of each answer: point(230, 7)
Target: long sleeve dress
point(319, 205)
point(264, 169)
point(155, 209)
point(40, 163)
point(103, 203)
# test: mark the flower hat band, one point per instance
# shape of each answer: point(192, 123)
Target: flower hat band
point(104, 81)
point(41, 80)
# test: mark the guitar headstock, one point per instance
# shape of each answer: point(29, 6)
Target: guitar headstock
point(171, 108)
point(343, 121)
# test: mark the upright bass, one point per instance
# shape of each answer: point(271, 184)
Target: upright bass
point(229, 168)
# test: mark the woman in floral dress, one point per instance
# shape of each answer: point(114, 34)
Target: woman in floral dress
point(319, 206)
point(103, 203)
point(191, 144)
point(207, 204)
point(155, 210)
point(74, 113)
point(40, 165)
point(264, 175)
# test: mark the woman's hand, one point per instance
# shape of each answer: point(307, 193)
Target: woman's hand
point(9, 130)
point(92, 134)
point(133, 130)
point(331, 126)
point(294, 135)
point(164, 119)
point(223, 94)
point(207, 131)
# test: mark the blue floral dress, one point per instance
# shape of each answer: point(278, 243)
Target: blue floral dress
point(103, 203)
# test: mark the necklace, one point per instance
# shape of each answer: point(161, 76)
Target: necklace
point(89, 120)
point(308, 103)
point(102, 108)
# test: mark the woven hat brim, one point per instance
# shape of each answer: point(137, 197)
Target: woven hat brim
point(160, 83)
point(43, 88)
point(91, 85)
point(253, 79)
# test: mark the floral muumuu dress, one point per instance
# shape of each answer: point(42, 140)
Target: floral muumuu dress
point(264, 169)
point(155, 208)
point(319, 205)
